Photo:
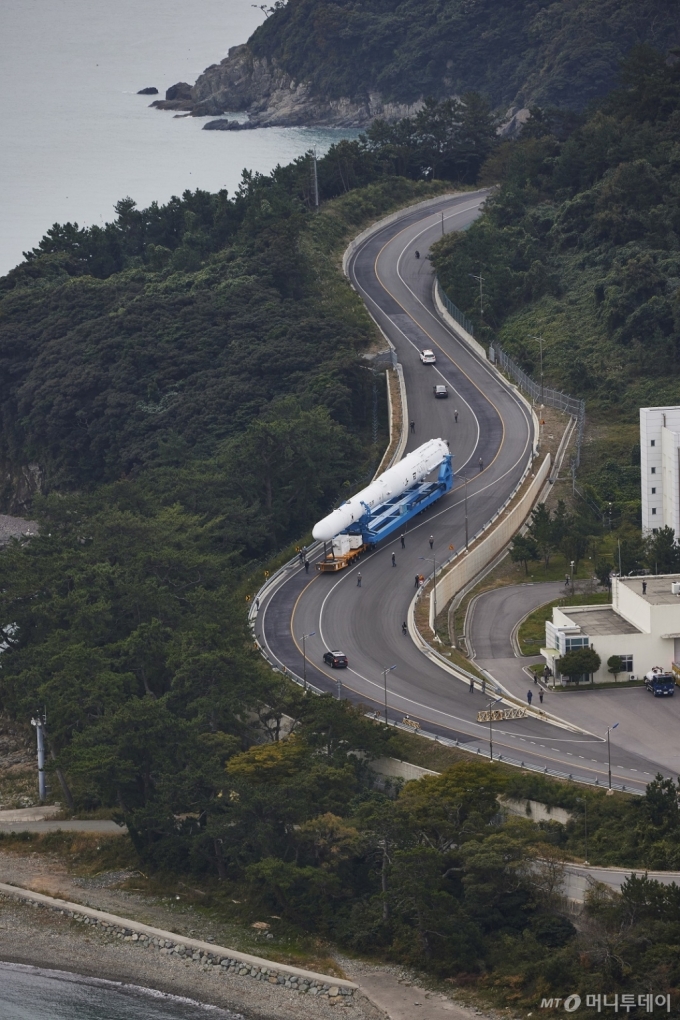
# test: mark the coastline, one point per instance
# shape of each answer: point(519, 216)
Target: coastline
point(49, 941)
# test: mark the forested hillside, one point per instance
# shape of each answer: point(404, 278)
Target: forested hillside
point(527, 52)
point(581, 245)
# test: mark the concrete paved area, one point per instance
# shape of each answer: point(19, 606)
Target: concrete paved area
point(101, 825)
point(41, 818)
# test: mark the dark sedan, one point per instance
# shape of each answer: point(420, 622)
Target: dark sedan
point(336, 659)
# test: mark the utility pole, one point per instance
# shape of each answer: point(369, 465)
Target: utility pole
point(387, 669)
point(585, 823)
point(39, 722)
point(304, 657)
point(539, 341)
point(315, 179)
point(480, 280)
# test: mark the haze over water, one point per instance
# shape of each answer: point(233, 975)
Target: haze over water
point(76, 138)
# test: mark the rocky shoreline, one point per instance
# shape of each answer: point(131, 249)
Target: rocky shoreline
point(244, 83)
point(46, 938)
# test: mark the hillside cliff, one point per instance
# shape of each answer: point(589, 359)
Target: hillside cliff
point(344, 63)
point(271, 96)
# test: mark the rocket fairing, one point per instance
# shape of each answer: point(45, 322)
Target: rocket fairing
point(415, 467)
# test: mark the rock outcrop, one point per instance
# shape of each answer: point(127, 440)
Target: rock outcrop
point(182, 90)
point(229, 125)
point(258, 86)
point(151, 91)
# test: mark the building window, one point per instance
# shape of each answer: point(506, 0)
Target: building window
point(653, 509)
point(653, 492)
point(653, 471)
point(626, 663)
point(655, 531)
point(570, 643)
point(653, 442)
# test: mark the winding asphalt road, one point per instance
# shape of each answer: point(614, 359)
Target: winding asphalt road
point(494, 424)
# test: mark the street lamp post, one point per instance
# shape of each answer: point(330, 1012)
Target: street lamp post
point(480, 281)
point(572, 574)
point(609, 752)
point(304, 657)
point(387, 669)
point(466, 515)
point(539, 341)
point(433, 561)
point(489, 706)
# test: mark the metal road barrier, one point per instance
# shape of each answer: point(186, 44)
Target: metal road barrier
point(501, 714)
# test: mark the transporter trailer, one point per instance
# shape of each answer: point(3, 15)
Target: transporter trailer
point(384, 520)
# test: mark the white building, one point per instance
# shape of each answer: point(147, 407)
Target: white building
point(641, 626)
point(660, 468)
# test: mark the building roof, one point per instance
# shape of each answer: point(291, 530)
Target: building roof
point(658, 591)
point(594, 620)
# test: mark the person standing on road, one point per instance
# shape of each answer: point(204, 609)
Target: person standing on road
point(394, 560)
point(404, 627)
point(481, 463)
point(358, 580)
point(417, 581)
point(431, 541)
point(403, 540)
point(455, 416)
point(306, 565)
point(301, 557)
point(540, 696)
point(644, 587)
point(413, 425)
point(530, 695)
point(472, 686)
point(566, 580)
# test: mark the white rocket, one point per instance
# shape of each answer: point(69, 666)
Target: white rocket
point(413, 468)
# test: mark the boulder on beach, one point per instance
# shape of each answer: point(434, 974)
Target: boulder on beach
point(151, 91)
point(182, 90)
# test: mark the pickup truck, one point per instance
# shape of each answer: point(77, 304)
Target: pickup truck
point(660, 683)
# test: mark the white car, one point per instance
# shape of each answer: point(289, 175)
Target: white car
point(427, 357)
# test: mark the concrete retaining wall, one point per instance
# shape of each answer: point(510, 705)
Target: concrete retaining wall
point(220, 959)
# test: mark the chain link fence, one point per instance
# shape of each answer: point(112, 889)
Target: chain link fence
point(456, 313)
point(544, 395)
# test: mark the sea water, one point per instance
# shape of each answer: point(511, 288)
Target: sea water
point(75, 137)
point(31, 993)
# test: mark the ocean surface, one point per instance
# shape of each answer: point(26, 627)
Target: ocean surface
point(29, 993)
point(75, 137)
